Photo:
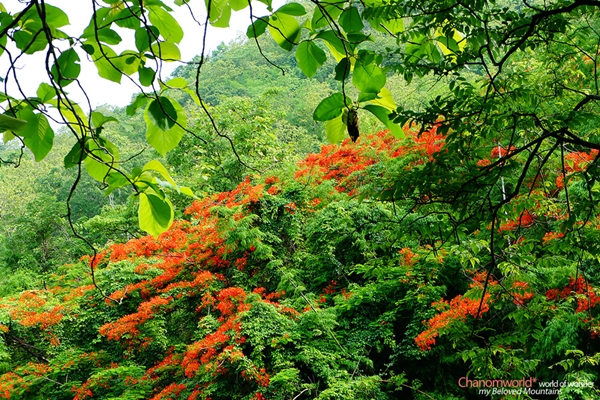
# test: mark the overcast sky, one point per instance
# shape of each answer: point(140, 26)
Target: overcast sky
point(101, 91)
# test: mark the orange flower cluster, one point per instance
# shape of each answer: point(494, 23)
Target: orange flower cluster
point(456, 310)
point(525, 220)
point(576, 162)
point(127, 326)
point(172, 390)
point(587, 296)
point(521, 293)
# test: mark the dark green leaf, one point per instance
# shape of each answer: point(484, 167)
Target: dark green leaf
point(330, 107)
point(351, 20)
point(258, 27)
point(66, 68)
point(163, 113)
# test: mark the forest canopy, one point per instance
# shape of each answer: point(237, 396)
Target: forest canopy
point(452, 236)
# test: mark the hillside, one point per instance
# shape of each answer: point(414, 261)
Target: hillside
point(302, 285)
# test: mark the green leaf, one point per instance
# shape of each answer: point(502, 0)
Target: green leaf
point(342, 70)
point(237, 5)
point(140, 101)
point(166, 51)
point(351, 20)
point(164, 140)
point(38, 136)
point(310, 57)
point(45, 92)
point(332, 9)
point(144, 36)
point(292, 9)
point(99, 119)
point(8, 123)
point(129, 18)
point(162, 112)
point(383, 115)
point(385, 99)
point(74, 156)
point(258, 27)
point(168, 26)
point(336, 129)
point(146, 76)
point(333, 43)
point(55, 17)
point(219, 13)
point(285, 30)
point(177, 83)
point(7, 136)
point(66, 68)
point(368, 77)
point(155, 214)
point(30, 42)
point(155, 165)
point(330, 107)
point(102, 158)
point(104, 60)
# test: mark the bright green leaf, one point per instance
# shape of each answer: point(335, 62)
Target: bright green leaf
point(38, 136)
point(292, 9)
point(155, 214)
point(330, 107)
point(310, 57)
point(168, 26)
point(336, 129)
point(8, 123)
point(66, 68)
point(285, 30)
point(383, 115)
point(164, 140)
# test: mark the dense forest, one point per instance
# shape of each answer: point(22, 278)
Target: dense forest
point(355, 200)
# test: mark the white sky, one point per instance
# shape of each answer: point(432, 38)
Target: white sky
point(31, 69)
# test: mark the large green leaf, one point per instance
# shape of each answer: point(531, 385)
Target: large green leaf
point(55, 17)
point(166, 136)
point(219, 12)
point(382, 114)
point(351, 20)
point(155, 165)
point(330, 107)
point(162, 112)
point(368, 77)
point(310, 57)
point(74, 156)
point(334, 44)
point(258, 27)
point(292, 9)
point(105, 60)
point(66, 68)
point(336, 129)
point(45, 92)
point(155, 214)
point(102, 158)
point(285, 30)
point(167, 25)
point(8, 123)
point(38, 136)
point(166, 51)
